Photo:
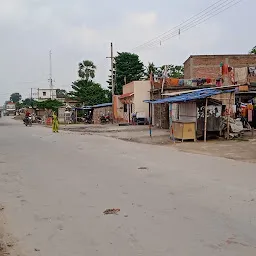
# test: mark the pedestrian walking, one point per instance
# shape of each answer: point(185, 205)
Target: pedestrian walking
point(55, 123)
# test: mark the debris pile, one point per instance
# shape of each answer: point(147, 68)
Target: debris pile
point(235, 127)
point(111, 211)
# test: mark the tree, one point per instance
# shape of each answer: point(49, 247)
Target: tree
point(253, 50)
point(150, 68)
point(49, 104)
point(86, 70)
point(61, 93)
point(172, 71)
point(90, 93)
point(128, 68)
point(15, 97)
point(28, 103)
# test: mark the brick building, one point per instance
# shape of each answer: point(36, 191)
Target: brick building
point(208, 66)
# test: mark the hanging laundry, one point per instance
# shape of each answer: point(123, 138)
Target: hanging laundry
point(174, 81)
point(252, 71)
point(208, 80)
point(241, 75)
point(199, 81)
point(168, 81)
point(225, 69)
point(231, 75)
point(188, 82)
point(249, 115)
point(218, 82)
point(181, 82)
point(194, 82)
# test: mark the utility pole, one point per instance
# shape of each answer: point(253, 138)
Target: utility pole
point(112, 68)
point(112, 75)
point(50, 74)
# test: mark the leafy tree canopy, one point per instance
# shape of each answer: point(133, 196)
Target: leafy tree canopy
point(128, 68)
point(253, 50)
point(28, 103)
point(172, 71)
point(150, 68)
point(85, 90)
point(15, 97)
point(48, 104)
point(90, 93)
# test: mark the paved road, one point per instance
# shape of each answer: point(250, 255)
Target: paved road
point(55, 187)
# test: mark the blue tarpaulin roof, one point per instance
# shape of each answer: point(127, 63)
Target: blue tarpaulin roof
point(201, 94)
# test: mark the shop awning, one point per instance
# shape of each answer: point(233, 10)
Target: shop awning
point(200, 94)
point(126, 95)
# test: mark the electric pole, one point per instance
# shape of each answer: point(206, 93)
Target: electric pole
point(112, 69)
point(112, 79)
point(50, 75)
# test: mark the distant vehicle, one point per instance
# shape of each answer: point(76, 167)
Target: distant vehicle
point(9, 108)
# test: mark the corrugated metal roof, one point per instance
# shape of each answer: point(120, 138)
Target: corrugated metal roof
point(102, 105)
point(204, 93)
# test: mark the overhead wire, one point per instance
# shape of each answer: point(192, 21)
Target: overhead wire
point(185, 28)
point(203, 17)
point(197, 19)
point(179, 24)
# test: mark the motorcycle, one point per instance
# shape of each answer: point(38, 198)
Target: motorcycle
point(104, 119)
point(88, 119)
point(28, 121)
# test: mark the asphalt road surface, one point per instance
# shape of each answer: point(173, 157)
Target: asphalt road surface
point(55, 187)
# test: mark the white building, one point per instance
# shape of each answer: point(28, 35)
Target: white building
point(132, 101)
point(45, 94)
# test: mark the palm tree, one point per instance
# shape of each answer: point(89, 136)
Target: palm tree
point(86, 70)
point(150, 68)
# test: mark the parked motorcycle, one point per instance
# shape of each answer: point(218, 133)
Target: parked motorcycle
point(104, 119)
point(88, 119)
point(28, 121)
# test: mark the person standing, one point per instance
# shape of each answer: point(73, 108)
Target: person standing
point(55, 123)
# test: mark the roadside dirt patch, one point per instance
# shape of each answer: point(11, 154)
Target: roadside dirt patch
point(235, 149)
point(7, 243)
point(240, 149)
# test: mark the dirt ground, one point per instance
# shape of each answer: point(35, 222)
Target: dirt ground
point(7, 244)
point(243, 149)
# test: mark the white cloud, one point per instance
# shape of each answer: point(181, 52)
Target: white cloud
point(145, 19)
point(12, 10)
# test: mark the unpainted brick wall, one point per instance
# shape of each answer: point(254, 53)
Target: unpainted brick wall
point(161, 113)
point(98, 112)
point(208, 66)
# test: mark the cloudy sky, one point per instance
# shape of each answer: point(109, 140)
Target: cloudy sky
point(83, 29)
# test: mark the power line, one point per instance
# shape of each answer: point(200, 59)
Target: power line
point(197, 19)
point(202, 17)
point(179, 24)
point(201, 20)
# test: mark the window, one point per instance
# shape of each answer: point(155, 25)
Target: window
point(44, 93)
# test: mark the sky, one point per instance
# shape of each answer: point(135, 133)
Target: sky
point(75, 30)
